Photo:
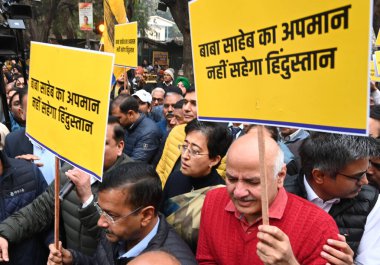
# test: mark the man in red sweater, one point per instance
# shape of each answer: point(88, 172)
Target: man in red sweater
point(231, 231)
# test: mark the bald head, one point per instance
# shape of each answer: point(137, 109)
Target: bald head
point(155, 257)
point(243, 176)
point(245, 151)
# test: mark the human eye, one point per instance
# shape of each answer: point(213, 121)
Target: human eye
point(231, 179)
point(253, 181)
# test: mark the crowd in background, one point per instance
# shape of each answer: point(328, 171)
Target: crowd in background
point(187, 191)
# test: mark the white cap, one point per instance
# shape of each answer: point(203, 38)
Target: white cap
point(169, 72)
point(144, 96)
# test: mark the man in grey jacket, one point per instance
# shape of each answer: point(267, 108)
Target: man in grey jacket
point(80, 230)
point(128, 203)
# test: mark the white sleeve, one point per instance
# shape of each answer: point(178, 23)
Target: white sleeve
point(369, 248)
point(376, 96)
point(89, 200)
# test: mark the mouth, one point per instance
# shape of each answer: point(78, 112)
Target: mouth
point(245, 202)
point(184, 165)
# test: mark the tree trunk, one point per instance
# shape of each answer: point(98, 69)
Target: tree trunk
point(180, 13)
point(40, 26)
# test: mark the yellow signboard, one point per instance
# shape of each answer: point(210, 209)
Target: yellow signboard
point(373, 74)
point(126, 44)
point(377, 43)
point(284, 63)
point(68, 103)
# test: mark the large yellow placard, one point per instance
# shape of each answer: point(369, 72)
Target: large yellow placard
point(126, 44)
point(284, 63)
point(68, 103)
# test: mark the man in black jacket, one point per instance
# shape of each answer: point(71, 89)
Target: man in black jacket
point(79, 222)
point(334, 178)
point(128, 203)
point(20, 183)
point(143, 136)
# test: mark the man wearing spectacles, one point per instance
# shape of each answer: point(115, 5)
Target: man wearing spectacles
point(128, 201)
point(158, 95)
point(334, 178)
point(79, 216)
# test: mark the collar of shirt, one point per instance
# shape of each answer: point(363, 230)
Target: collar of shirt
point(241, 126)
point(313, 197)
point(136, 250)
point(276, 210)
point(291, 137)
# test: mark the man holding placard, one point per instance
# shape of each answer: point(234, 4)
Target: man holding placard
point(231, 230)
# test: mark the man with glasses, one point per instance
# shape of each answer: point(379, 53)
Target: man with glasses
point(79, 216)
point(158, 95)
point(128, 201)
point(334, 178)
point(171, 98)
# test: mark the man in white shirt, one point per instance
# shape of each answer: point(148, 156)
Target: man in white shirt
point(334, 178)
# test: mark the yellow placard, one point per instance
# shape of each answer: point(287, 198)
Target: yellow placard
point(376, 60)
point(373, 74)
point(377, 43)
point(284, 63)
point(68, 103)
point(126, 44)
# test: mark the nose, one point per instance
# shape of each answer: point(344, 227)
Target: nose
point(185, 107)
point(186, 155)
point(364, 180)
point(102, 222)
point(240, 190)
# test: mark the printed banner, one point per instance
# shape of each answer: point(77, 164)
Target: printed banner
point(68, 108)
point(283, 63)
point(85, 16)
point(161, 58)
point(126, 44)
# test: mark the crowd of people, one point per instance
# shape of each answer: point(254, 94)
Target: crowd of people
point(177, 190)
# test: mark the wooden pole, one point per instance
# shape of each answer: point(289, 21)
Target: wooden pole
point(56, 203)
point(263, 176)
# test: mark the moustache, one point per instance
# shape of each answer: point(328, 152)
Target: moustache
point(169, 115)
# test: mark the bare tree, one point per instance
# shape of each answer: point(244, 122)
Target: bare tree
point(180, 13)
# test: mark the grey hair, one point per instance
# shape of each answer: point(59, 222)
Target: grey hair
point(158, 89)
point(278, 163)
point(330, 153)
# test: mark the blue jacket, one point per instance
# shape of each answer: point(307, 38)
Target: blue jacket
point(20, 183)
point(142, 139)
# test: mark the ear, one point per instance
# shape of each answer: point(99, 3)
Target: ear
point(147, 215)
point(281, 176)
point(130, 113)
point(318, 176)
point(120, 147)
point(214, 161)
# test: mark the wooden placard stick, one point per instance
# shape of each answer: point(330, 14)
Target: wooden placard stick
point(56, 203)
point(263, 176)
